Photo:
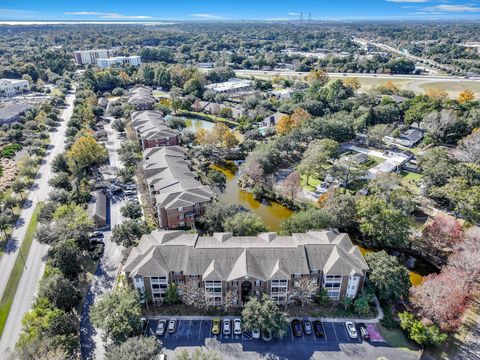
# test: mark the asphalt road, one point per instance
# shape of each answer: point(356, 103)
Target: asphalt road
point(35, 263)
point(92, 346)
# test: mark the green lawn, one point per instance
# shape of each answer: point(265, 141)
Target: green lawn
point(410, 181)
point(313, 182)
point(396, 338)
point(17, 271)
point(207, 117)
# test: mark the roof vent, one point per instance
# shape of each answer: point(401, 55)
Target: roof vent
point(222, 237)
point(268, 236)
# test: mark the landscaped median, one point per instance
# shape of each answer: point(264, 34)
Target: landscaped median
point(17, 271)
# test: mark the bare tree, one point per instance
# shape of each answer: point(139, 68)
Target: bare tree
point(228, 300)
point(292, 185)
point(471, 146)
point(304, 290)
point(439, 124)
point(191, 293)
point(466, 258)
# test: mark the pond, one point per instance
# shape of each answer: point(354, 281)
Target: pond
point(196, 124)
point(273, 213)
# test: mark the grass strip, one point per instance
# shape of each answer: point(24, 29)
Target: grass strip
point(17, 271)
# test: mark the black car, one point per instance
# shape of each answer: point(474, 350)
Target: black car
point(296, 327)
point(363, 331)
point(318, 328)
point(307, 326)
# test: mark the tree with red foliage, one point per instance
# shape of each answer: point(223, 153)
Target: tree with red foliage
point(466, 258)
point(441, 298)
point(442, 235)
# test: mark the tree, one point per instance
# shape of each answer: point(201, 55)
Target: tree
point(192, 294)
point(292, 185)
point(442, 234)
point(315, 160)
point(352, 82)
point(132, 210)
point(341, 210)
point(438, 166)
point(130, 153)
point(390, 279)
point(382, 223)
point(245, 224)
point(136, 348)
point(216, 178)
point(85, 153)
point(439, 94)
point(304, 290)
point(471, 146)
point(439, 125)
point(318, 76)
point(466, 96)
point(59, 163)
point(61, 181)
point(118, 125)
point(171, 294)
point(466, 258)
point(425, 335)
point(441, 298)
point(263, 314)
point(284, 125)
point(66, 256)
point(310, 219)
point(215, 215)
point(60, 291)
point(128, 233)
point(117, 314)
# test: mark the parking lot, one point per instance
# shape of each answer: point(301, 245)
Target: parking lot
point(196, 333)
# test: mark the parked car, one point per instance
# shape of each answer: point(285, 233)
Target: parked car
point(296, 327)
point(256, 334)
point(130, 193)
point(318, 328)
point(97, 235)
point(216, 326)
point(172, 326)
point(130, 187)
point(352, 332)
point(237, 327)
point(362, 329)
point(227, 327)
point(307, 326)
point(162, 325)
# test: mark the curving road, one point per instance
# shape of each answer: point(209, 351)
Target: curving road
point(34, 264)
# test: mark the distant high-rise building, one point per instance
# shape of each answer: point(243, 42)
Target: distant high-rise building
point(89, 57)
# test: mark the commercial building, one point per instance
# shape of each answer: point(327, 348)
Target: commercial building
point(119, 60)
point(89, 57)
point(152, 131)
point(141, 97)
point(232, 86)
point(178, 195)
point(11, 87)
point(246, 266)
point(13, 112)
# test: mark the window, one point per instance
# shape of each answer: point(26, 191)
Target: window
point(177, 272)
point(235, 283)
point(314, 271)
point(297, 275)
point(180, 209)
point(213, 291)
point(158, 286)
point(278, 291)
point(258, 283)
point(333, 284)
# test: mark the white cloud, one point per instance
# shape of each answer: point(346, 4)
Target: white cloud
point(293, 13)
point(207, 16)
point(102, 15)
point(454, 8)
point(408, 1)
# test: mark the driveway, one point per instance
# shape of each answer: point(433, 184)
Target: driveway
point(34, 264)
point(91, 344)
point(335, 344)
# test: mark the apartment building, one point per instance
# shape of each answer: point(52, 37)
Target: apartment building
point(119, 60)
point(141, 97)
point(152, 131)
point(178, 195)
point(89, 57)
point(12, 87)
point(246, 266)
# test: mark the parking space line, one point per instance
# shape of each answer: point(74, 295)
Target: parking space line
point(178, 329)
point(189, 327)
point(346, 333)
point(200, 330)
point(324, 332)
point(291, 333)
point(335, 331)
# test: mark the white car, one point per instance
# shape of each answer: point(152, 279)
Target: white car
point(237, 327)
point(161, 327)
point(227, 328)
point(352, 332)
point(256, 334)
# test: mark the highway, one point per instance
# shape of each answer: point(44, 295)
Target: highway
point(35, 262)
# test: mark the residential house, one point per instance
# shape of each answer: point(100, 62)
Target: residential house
point(99, 209)
point(408, 138)
point(216, 108)
point(152, 131)
point(246, 266)
point(178, 195)
point(141, 97)
point(280, 94)
point(273, 119)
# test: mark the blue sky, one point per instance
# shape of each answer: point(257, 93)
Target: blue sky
point(145, 10)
